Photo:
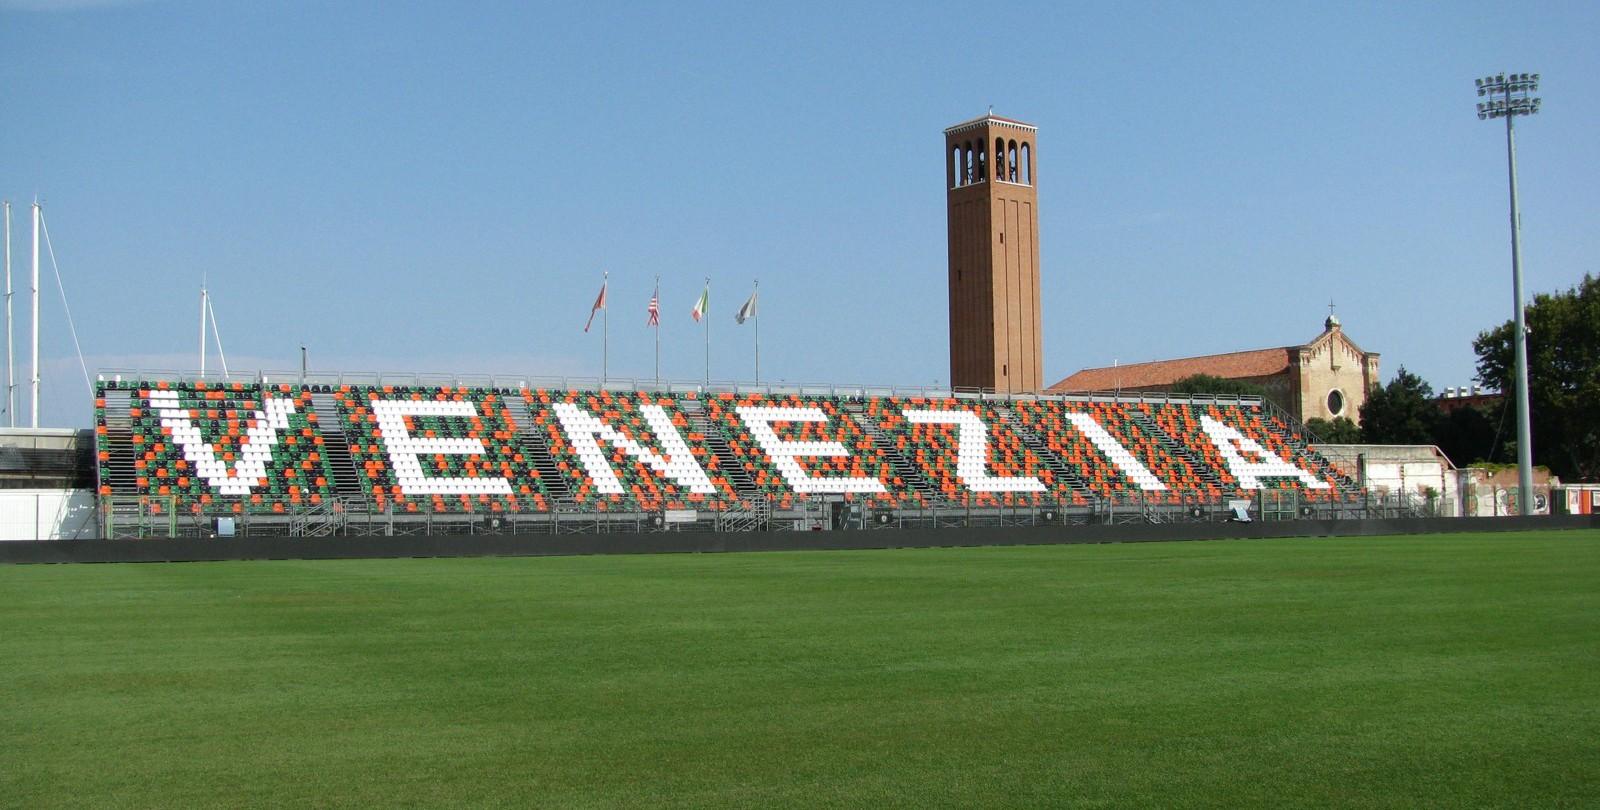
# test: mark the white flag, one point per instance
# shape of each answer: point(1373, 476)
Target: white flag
point(748, 310)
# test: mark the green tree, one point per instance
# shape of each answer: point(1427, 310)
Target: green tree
point(1563, 377)
point(1338, 431)
point(1470, 435)
point(1401, 412)
point(1211, 384)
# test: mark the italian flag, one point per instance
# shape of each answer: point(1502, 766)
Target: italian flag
point(700, 305)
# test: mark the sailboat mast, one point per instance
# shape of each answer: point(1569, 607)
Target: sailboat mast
point(35, 319)
point(222, 357)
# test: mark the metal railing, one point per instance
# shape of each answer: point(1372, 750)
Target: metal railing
point(630, 384)
point(151, 516)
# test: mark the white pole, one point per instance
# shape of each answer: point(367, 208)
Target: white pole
point(655, 298)
point(203, 302)
point(756, 316)
point(11, 369)
point(605, 330)
point(705, 318)
point(35, 396)
point(221, 355)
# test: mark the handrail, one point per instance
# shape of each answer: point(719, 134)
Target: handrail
point(630, 384)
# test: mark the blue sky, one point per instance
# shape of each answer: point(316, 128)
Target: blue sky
point(437, 187)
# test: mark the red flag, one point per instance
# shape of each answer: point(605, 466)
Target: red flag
point(599, 304)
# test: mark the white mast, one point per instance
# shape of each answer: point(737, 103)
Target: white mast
point(203, 305)
point(11, 371)
point(35, 320)
point(222, 357)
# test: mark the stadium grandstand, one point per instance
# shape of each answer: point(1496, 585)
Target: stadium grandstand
point(185, 456)
point(201, 455)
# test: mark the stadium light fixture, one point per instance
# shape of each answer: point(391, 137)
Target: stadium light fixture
point(1509, 97)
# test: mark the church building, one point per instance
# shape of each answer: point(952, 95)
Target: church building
point(1325, 378)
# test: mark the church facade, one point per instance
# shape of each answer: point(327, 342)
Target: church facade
point(1327, 377)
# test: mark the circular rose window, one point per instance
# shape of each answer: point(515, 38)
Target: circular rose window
point(1335, 402)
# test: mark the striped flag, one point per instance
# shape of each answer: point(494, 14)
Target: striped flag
point(700, 305)
point(599, 304)
point(655, 307)
point(748, 310)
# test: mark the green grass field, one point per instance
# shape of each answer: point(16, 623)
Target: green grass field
point(1445, 671)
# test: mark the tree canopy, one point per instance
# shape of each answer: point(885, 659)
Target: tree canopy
point(1473, 435)
point(1339, 430)
point(1404, 412)
point(1563, 377)
point(1401, 412)
point(1212, 384)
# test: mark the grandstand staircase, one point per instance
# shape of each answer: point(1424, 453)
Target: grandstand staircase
point(124, 515)
point(336, 451)
point(322, 520)
point(903, 467)
point(1201, 467)
point(755, 517)
point(536, 449)
point(1033, 441)
point(727, 462)
point(118, 472)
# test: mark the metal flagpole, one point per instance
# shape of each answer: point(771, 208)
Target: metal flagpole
point(756, 316)
point(655, 301)
point(11, 370)
point(706, 322)
point(203, 326)
point(605, 329)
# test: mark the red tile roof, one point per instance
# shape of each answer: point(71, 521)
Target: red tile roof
point(1256, 363)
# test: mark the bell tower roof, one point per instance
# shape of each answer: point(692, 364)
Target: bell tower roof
point(990, 119)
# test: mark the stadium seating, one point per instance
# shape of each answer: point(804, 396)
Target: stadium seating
point(629, 439)
point(437, 449)
point(987, 467)
point(1187, 423)
point(218, 447)
point(836, 430)
point(249, 448)
point(1136, 462)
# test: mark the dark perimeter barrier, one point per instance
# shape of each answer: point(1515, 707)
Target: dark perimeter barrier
point(185, 549)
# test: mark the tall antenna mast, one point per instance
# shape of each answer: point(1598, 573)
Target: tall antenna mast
point(35, 319)
point(11, 370)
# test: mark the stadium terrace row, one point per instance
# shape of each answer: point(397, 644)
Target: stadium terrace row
point(230, 448)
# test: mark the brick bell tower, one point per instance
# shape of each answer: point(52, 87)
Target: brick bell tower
point(994, 255)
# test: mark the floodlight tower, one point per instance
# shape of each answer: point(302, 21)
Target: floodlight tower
point(1510, 95)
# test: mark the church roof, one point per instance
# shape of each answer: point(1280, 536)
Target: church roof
point(1230, 366)
point(1255, 363)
